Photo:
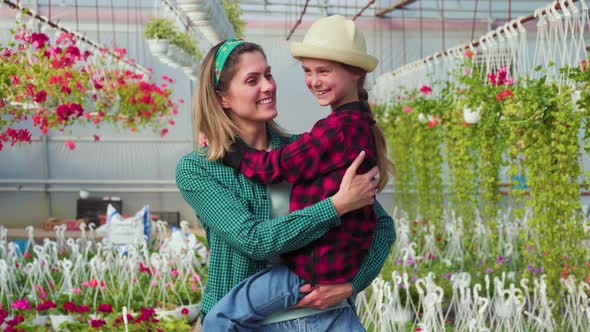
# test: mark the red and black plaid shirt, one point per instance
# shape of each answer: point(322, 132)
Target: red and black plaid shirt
point(316, 163)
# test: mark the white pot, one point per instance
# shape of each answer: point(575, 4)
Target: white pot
point(39, 320)
point(57, 320)
point(158, 46)
point(576, 94)
point(194, 311)
point(471, 116)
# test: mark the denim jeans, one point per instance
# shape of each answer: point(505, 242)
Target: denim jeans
point(275, 289)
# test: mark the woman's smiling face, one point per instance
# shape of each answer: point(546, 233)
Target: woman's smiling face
point(251, 95)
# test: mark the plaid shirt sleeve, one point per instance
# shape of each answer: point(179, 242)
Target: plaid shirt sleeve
point(321, 151)
point(226, 214)
point(383, 239)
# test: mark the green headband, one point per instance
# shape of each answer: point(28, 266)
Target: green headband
point(222, 53)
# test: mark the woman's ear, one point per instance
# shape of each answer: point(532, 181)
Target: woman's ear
point(223, 100)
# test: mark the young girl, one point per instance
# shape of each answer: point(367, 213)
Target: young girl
point(334, 59)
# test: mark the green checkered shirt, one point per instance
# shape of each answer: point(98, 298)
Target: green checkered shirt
point(235, 211)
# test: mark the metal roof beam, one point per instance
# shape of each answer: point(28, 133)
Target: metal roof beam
point(399, 5)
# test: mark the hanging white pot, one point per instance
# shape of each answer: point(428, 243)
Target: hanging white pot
point(471, 116)
point(158, 46)
point(576, 94)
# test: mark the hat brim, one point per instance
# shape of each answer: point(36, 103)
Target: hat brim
point(349, 57)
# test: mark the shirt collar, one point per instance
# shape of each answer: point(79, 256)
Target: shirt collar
point(355, 105)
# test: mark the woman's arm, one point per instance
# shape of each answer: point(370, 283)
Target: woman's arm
point(383, 239)
point(326, 148)
point(226, 214)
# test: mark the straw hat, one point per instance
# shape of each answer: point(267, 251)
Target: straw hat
point(335, 38)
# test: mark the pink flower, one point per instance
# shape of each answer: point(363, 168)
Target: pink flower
point(407, 109)
point(174, 272)
point(181, 101)
point(15, 80)
point(71, 145)
point(96, 137)
point(85, 284)
point(163, 132)
point(120, 51)
point(76, 290)
point(425, 89)
point(22, 304)
point(184, 311)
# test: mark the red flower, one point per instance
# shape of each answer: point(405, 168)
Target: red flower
point(506, 93)
point(163, 132)
point(97, 323)
point(40, 96)
point(425, 89)
point(39, 40)
point(69, 306)
point(468, 54)
point(16, 320)
point(584, 65)
point(96, 137)
point(184, 311)
point(432, 123)
point(82, 309)
point(70, 144)
point(107, 308)
point(45, 306)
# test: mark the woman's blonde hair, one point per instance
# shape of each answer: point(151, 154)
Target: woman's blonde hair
point(385, 166)
point(209, 118)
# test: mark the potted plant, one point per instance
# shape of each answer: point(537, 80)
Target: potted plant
point(157, 32)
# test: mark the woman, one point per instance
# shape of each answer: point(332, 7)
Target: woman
point(240, 101)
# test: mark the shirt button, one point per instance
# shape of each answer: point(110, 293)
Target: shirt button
point(264, 197)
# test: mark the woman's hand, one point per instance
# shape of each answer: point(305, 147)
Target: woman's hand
point(324, 296)
point(356, 190)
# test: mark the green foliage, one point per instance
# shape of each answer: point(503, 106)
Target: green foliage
point(234, 11)
point(159, 28)
point(164, 29)
point(530, 127)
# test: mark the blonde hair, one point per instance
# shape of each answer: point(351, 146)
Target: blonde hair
point(209, 118)
point(384, 164)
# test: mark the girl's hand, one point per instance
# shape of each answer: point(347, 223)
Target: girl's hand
point(202, 140)
point(356, 190)
point(324, 296)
